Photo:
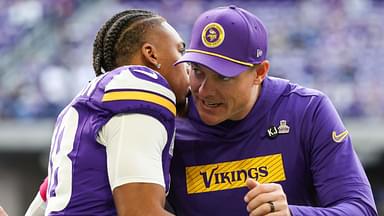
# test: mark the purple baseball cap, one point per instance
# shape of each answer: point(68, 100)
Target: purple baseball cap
point(228, 40)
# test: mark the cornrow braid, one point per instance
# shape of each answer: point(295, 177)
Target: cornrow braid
point(108, 46)
point(99, 43)
point(126, 36)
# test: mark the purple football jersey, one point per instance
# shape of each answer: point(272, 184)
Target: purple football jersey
point(293, 136)
point(78, 175)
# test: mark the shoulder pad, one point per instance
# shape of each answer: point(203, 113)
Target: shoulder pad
point(134, 88)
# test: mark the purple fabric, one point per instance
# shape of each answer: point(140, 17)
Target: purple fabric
point(91, 192)
point(318, 171)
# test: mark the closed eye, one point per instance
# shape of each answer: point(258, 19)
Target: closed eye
point(182, 49)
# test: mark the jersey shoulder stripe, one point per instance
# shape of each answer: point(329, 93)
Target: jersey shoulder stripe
point(133, 77)
point(138, 84)
point(141, 95)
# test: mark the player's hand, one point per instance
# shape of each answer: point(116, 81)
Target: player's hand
point(266, 199)
point(2, 212)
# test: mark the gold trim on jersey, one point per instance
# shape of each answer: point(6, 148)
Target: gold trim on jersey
point(220, 56)
point(233, 174)
point(141, 96)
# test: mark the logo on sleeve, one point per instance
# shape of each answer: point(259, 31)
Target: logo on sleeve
point(338, 138)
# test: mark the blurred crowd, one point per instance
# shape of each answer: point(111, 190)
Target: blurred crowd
point(336, 46)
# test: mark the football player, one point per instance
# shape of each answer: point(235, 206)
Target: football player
point(111, 146)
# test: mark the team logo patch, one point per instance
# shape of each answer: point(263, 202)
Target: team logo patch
point(338, 138)
point(213, 35)
point(233, 174)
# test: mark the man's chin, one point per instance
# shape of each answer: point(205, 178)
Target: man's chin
point(208, 120)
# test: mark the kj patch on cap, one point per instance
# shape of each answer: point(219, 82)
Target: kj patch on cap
point(227, 40)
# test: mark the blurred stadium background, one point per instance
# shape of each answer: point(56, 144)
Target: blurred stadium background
point(336, 46)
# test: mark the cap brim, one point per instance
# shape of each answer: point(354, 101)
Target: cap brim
point(219, 65)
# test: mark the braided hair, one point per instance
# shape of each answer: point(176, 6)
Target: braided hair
point(120, 37)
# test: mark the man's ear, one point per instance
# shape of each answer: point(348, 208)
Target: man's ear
point(149, 54)
point(262, 71)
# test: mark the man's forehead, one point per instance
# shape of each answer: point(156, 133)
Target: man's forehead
point(172, 30)
point(202, 67)
point(166, 25)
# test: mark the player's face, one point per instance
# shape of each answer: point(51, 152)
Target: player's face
point(219, 98)
point(170, 48)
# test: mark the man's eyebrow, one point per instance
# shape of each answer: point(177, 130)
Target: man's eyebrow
point(195, 65)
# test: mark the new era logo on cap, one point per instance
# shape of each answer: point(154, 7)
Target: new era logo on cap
point(259, 53)
point(227, 40)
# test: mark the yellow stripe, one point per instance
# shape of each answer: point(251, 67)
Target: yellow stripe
point(220, 56)
point(143, 96)
point(232, 174)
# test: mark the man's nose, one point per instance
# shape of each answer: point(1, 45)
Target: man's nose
point(188, 68)
point(205, 87)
